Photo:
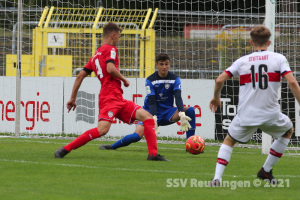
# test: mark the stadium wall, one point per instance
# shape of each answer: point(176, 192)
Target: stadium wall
point(43, 109)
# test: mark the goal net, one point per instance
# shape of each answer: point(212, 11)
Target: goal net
point(202, 38)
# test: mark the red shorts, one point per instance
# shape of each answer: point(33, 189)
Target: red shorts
point(122, 109)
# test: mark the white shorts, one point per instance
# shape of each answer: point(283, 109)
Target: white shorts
point(275, 128)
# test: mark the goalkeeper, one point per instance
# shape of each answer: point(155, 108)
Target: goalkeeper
point(162, 87)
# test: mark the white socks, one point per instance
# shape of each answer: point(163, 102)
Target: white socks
point(224, 155)
point(276, 151)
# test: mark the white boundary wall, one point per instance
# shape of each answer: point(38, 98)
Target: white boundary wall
point(43, 107)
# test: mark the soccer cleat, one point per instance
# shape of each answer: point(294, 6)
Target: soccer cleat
point(61, 152)
point(214, 183)
point(267, 176)
point(158, 157)
point(106, 147)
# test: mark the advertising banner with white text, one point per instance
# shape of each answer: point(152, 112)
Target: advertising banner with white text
point(43, 106)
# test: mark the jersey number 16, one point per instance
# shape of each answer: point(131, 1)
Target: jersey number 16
point(263, 78)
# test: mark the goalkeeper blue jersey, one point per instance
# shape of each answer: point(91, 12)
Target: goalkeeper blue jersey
point(163, 89)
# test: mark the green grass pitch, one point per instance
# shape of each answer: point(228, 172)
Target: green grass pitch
point(28, 170)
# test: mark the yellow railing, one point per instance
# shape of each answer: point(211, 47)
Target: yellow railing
point(70, 36)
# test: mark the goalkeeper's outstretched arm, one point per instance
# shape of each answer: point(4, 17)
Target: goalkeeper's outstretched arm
point(178, 100)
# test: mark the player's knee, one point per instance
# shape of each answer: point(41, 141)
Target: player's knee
point(141, 134)
point(143, 115)
point(289, 133)
point(229, 141)
point(102, 131)
point(140, 130)
point(146, 116)
point(190, 112)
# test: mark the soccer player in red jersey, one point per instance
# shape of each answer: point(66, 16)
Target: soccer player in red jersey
point(105, 64)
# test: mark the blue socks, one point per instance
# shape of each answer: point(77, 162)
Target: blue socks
point(127, 140)
point(191, 113)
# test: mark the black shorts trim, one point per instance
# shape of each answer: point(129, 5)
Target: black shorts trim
point(236, 139)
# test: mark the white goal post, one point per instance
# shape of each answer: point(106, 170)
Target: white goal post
point(270, 23)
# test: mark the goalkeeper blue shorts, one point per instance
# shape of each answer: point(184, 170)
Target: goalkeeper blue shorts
point(164, 118)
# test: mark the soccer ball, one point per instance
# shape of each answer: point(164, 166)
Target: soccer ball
point(195, 144)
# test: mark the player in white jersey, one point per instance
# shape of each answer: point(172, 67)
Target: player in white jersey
point(260, 78)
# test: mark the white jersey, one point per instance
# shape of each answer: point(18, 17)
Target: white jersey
point(260, 78)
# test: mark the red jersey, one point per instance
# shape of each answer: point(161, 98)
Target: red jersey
point(110, 86)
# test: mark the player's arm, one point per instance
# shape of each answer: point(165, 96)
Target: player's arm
point(216, 100)
point(112, 70)
point(177, 95)
point(72, 102)
point(151, 97)
point(178, 100)
point(294, 86)
point(184, 120)
point(152, 104)
point(153, 110)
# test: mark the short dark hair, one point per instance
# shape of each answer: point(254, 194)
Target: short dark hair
point(260, 35)
point(162, 57)
point(110, 28)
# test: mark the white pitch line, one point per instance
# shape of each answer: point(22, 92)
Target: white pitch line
point(40, 163)
point(96, 167)
point(296, 155)
point(135, 169)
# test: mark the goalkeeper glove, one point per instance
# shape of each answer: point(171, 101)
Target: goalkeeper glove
point(184, 122)
point(156, 126)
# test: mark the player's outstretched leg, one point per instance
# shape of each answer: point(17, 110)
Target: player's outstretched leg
point(191, 113)
point(125, 141)
point(224, 155)
point(150, 136)
point(267, 176)
point(276, 151)
point(158, 157)
point(215, 183)
point(106, 147)
point(60, 152)
point(78, 142)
